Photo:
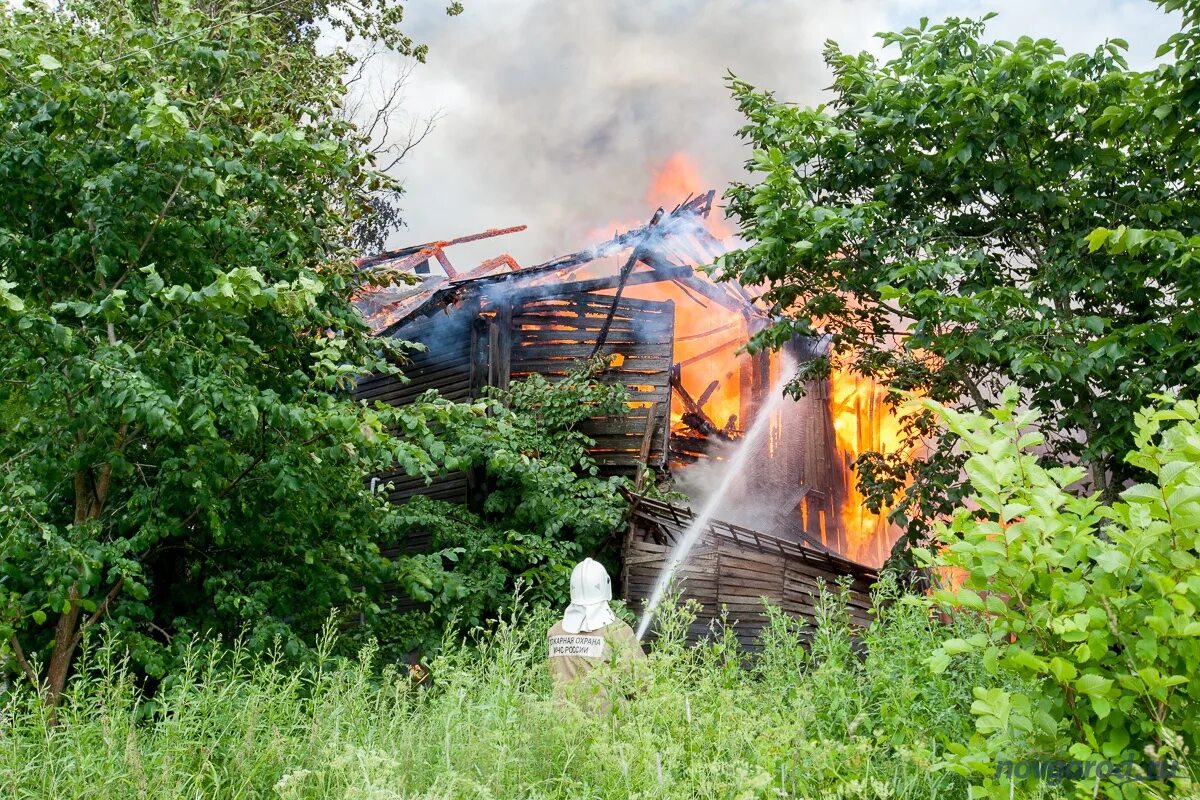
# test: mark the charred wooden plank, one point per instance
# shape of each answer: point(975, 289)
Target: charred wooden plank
point(741, 568)
point(694, 416)
point(622, 279)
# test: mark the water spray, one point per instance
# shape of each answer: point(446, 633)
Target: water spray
point(734, 469)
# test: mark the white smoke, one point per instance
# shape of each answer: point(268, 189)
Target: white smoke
point(556, 113)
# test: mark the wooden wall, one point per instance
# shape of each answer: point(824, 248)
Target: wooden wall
point(446, 366)
point(734, 568)
point(551, 335)
point(480, 343)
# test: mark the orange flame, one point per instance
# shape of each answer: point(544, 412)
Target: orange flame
point(677, 178)
point(862, 422)
point(707, 336)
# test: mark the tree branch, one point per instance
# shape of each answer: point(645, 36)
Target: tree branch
point(22, 661)
point(100, 611)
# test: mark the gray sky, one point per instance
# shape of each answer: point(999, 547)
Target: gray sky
point(557, 113)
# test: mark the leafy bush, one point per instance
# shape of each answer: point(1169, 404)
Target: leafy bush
point(801, 723)
point(546, 509)
point(176, 194)
point(1095, 604)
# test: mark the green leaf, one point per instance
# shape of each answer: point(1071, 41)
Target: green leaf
point(8, 299)
point(1062, 670)
point(938, 662)
point(1112, 561)
point(957, 646)
point(48, 62)
point(1097, 239)
point(1093, 684)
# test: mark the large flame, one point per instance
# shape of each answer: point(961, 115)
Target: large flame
point(677, 178)
point(707, 337)
point(862, 422)
point(707, 334)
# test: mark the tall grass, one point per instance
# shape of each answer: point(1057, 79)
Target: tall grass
point(837, 719)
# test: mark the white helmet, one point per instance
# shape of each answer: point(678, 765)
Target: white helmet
point(590, 592)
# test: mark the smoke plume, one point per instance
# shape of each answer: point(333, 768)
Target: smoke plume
point(556, 114)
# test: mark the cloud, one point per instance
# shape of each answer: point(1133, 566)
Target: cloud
point(556, 114)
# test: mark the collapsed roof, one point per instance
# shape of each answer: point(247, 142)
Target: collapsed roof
point(672, 247)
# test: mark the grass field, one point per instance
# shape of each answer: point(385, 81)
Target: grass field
point(823, 722)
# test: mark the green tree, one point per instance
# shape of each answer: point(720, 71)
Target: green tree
point(301, 21)
point(933, 220)
point(178, 342)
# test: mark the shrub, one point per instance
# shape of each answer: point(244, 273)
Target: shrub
point(547, 507)
point(1093, 603)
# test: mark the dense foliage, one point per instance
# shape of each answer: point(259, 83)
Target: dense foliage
point(301, 22)
point(1095, 604)
point(172, 203)
point(178, 345)
point(934, 220)
point(819, 723)
point(546, 509)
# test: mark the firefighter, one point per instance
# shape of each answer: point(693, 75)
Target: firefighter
point(588, 636)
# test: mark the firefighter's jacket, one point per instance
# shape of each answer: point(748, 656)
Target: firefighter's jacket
point(577, 662)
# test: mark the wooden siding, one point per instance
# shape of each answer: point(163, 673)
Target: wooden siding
point(445, 365)
point(547, 335)
point(733, 569)
point(551, 335)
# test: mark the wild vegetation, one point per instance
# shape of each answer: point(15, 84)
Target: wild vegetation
point(801, 723)
point(183, 470)
point(1094, 604)
point(174, 196)
point(547, 508)
point(1068, 640)
point(966, 215)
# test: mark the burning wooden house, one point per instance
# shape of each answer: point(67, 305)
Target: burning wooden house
point(674, 338)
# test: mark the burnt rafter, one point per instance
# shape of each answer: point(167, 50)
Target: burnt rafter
point(694, 415)
point(669, 238)
point(414, 254)
point(707, 393)
point(637, 255)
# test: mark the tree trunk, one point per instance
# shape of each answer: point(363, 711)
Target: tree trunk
point(90, 494)
point(64, 650)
